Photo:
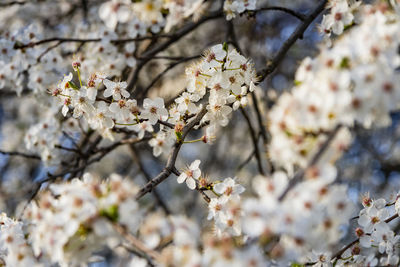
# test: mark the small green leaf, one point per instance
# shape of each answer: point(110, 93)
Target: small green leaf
point(111, 213)
point(178, 136)
point(345, 63)
point(225, 46)
point(297, 83)
point(73, 86)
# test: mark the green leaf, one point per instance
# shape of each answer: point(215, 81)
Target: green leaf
point(111, 213)
point(225, 46)
point(178, 136)
point(73, 86)
point(345, 63)
point(297, 83)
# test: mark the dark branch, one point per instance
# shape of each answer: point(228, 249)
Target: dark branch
point(89, 40)
point(133, 76)
point(147, 176)
point(160, 75)
point(19, 154)
point(338, 254)
point(297, 34)
point(283, 9)
point(254, 139)
point(170, 166)
point(12, 3)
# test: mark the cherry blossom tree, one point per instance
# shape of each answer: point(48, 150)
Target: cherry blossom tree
point(199, 133)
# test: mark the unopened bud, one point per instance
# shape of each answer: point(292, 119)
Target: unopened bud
point(356, 250)
point(359, 232)
point(76, 65)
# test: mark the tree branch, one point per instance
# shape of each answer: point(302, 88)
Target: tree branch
point(297, 34)
point(160, 75)
point(291, 12)
point(254, 139)
point(170, 166)
point(20, 154)
point(133, 76)
point(12, 3)
point(88, 40)
point(147, 176)
point(136, 243)
point(338, 254)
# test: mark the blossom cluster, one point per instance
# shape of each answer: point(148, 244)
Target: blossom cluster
point(341, 15)
point(47, 137)
point(354, 82)
point(14, 62)
point(148, 14)
point(14, 247)
point(276, 222)
point(72, 220)
point(42, 138)
point(223, 72)
point(21, 58)
point(233, 7)
point(225, 209)
point(374, 232)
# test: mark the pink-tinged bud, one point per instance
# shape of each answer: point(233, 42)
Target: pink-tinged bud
point(203, 183)
point(366, 200)
point(207, 139)
point(76, 65)
point(356, 250)
point(91, 83)
point(179, 127)
point(56, 92)
point(359, 232)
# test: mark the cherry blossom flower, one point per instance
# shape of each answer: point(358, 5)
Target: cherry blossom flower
point(154, 110)
point(115, 89)
point(229, 188)
point(114, 11)
point(102, 118)
point(161, 143)
point(142, 127)
point(191, 175)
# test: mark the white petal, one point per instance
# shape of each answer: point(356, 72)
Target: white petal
point(191, 183)
point(181, 178)
point(195, 164)
point(114, 107)
point(196, 174)
point(107, 93)
point(159, 102)
point(125, 93)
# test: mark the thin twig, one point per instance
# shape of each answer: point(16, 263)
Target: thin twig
point(133, 76)
point(295, 14)
point(338, 254)
point(68, 149)
point(297, 34)
point(19, 154)
point(136, 243)
point(48, 50)
point(147, 176)
point(259, 118)
point(170, 166)
point(160, 75)
point(86, 40)
point(254, 139)
point(12, 3)
point(246, 161)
